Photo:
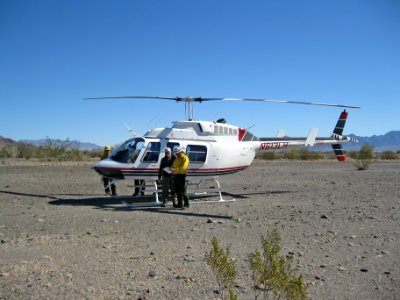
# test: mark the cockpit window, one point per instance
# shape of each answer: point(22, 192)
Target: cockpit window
point(249, 137)
point(196, 153)
point(128, 151)
point(152, 152)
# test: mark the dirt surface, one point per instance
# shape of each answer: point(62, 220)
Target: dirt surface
point(61, 238)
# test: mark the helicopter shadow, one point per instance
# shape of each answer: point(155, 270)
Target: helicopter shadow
point(48, 196)
point(128, 203)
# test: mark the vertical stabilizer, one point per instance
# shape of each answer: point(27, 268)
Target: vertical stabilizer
point(337, 133)
point(340, 123)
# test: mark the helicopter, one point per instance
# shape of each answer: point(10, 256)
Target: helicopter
point(214, 148)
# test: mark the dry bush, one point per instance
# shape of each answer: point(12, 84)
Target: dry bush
point(364, 157)
point(223, 267)
point(274, 274)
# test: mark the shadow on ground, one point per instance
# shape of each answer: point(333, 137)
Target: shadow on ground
point(124, 203)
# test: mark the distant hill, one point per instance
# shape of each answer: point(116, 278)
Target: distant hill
point(7, 142)
point(82, 146)
point(388, 141)
point(11, 143)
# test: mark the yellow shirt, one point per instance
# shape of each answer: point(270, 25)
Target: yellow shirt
point(104, 155)
point(181, 164)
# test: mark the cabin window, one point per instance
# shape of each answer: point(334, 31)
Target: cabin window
point(220, 129)
point(196, 153)
point(152, 152)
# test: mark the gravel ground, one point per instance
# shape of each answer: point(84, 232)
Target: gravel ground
point(61, 238)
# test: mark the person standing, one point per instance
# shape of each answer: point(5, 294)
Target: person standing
point(166, 177)
point(108, 181)
point(180, 168)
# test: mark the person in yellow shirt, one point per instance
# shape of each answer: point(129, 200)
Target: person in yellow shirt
point(180, 168)
point(107, 181)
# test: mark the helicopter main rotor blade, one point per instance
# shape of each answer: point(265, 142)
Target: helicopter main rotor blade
point(201, 99)
point(133, 97)
point(281, 101)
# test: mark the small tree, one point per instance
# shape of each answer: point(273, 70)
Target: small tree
point(223, 267)
point(271, 273)
point(364, 157)
point(25, 150)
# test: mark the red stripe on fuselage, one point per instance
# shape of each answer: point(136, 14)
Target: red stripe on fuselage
point(189, 170)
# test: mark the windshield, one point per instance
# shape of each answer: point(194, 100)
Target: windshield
point(128, 151)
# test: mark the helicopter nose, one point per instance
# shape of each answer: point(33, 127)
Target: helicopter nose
point(104, 168)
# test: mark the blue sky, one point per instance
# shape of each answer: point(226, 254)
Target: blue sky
point(54, 53)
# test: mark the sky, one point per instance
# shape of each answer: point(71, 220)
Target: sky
point(55, 53)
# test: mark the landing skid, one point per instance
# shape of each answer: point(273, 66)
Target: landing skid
point(218, 189)
point(146, 200)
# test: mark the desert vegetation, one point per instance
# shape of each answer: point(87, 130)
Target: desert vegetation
point(272, 275)
point(50, 150)
point(364, 157)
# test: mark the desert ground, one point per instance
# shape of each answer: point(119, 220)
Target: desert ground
point(62, 238)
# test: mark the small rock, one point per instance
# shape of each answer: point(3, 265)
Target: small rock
point(324, 217)
point(152, 274)
point(342, 269)
point(386, 272)
point(364, 270)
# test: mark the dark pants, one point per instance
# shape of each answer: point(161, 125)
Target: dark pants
point(180, 189)
point(106, 182)
point(168, 185)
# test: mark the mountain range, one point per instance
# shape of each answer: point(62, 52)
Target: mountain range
point(389, 141)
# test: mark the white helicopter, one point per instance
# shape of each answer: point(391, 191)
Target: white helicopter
point(213, 147)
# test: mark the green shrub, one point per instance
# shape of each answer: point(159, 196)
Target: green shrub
point(268, 155)
point(223, 267)
point(364, 157)
point(271, 273)
point(59, 150)
point(387, 155)
point(306, 154)
point(26, 151)
point(291, 154)
point(6, 152)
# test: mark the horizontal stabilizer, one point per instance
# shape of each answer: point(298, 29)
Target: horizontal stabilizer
point(281, 133)
point(311, 137)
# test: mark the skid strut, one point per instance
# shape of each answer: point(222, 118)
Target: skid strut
point(156, 201)
point(218, 189)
